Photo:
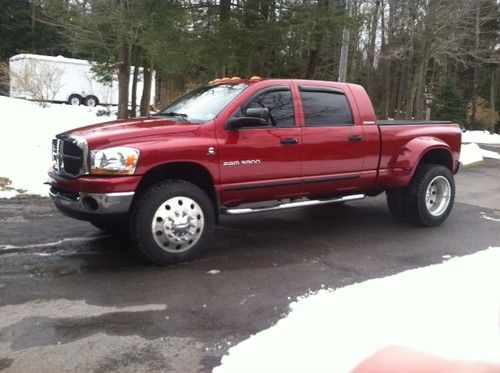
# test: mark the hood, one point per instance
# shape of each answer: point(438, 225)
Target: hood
point(106, 133)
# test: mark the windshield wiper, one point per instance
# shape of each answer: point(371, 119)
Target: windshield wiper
point(173, 114)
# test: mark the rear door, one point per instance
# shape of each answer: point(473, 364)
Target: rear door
point(262, 163)
point(332, 142)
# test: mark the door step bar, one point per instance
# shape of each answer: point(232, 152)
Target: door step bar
point(240, 211)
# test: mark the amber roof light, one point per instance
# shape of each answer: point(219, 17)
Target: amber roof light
point(234, 79)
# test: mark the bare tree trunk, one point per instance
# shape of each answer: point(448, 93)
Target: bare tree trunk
point(402, 90)
point(410, 68)
point(371, 49)
point(224, 14)
point(353, 75)
point(135, 76)
point(493, 86)
point(387, 62)
point(225, 8)
point(123, 81)
point(158, 92)
point(475, 79)
point(146, 91)
point(420, 79)
point(344, 50)
point(123, 72)
point(33, 24)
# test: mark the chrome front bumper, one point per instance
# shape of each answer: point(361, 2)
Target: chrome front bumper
point(93, 203)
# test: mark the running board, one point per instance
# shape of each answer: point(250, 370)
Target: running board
point(240, 211)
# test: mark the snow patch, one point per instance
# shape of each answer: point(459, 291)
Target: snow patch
point(450, 310)
point(27, 131)
point(49, 244)
point(481, 137)
point(7, 194)
point(472, 153)
point(213, 272)
point(484, 216)
point(489, 154)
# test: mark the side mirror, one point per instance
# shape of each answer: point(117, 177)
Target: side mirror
point(254, 117)
point(259, 112)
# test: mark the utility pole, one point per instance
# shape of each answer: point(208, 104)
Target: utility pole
point(344, 50)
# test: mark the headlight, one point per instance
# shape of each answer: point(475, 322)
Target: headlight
point(114, 161)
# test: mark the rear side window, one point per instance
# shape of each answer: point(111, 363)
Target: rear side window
point(326, 109)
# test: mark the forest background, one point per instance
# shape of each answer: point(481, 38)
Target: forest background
point(408, 54)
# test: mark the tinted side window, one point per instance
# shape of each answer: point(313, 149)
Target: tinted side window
point(280, 105)
point(326, 109)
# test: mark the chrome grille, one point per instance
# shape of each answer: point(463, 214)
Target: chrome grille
point(70, 156)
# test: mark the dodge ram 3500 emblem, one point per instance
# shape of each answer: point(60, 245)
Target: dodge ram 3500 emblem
point(242, 162)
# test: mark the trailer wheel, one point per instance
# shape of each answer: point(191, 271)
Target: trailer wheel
point(172, 222)
point(91, 101)
point(75, 100)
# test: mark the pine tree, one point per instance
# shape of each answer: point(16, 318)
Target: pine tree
point(449, 104)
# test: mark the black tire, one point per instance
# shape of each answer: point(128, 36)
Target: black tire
point(417, 207)
point(75, 100)
point(397, 202)
point(154, 202)
point(91, 101)
point(111, 226)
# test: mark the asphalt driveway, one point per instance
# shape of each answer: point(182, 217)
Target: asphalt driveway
point(73, 298)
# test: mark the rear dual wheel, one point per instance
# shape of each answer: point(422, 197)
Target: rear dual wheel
point(172, 222)
point(429, 198)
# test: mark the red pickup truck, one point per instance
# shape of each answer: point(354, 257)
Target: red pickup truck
point(240, 146)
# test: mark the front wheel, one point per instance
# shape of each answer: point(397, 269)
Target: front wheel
point(431, 195)
point(172, 222)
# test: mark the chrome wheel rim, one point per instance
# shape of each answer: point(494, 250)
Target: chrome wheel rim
point(438, 196)
point(178, 224)
point(91, 102)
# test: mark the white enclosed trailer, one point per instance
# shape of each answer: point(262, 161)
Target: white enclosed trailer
point(61, 79)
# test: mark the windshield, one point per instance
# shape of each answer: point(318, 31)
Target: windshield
point(203, 104)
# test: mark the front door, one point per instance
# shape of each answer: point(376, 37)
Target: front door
point(262, 163)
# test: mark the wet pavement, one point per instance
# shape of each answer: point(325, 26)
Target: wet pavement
point(74, 298)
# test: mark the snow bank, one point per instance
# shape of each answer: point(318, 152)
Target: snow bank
point(472, 153)
point(481, 137)
point(450, 310)
point(25, 142)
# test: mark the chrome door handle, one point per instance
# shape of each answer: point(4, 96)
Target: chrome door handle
point(355, 138)
point(289, 141)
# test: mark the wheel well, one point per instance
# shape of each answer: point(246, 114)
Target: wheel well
point(438, 156)
point(192, 172)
